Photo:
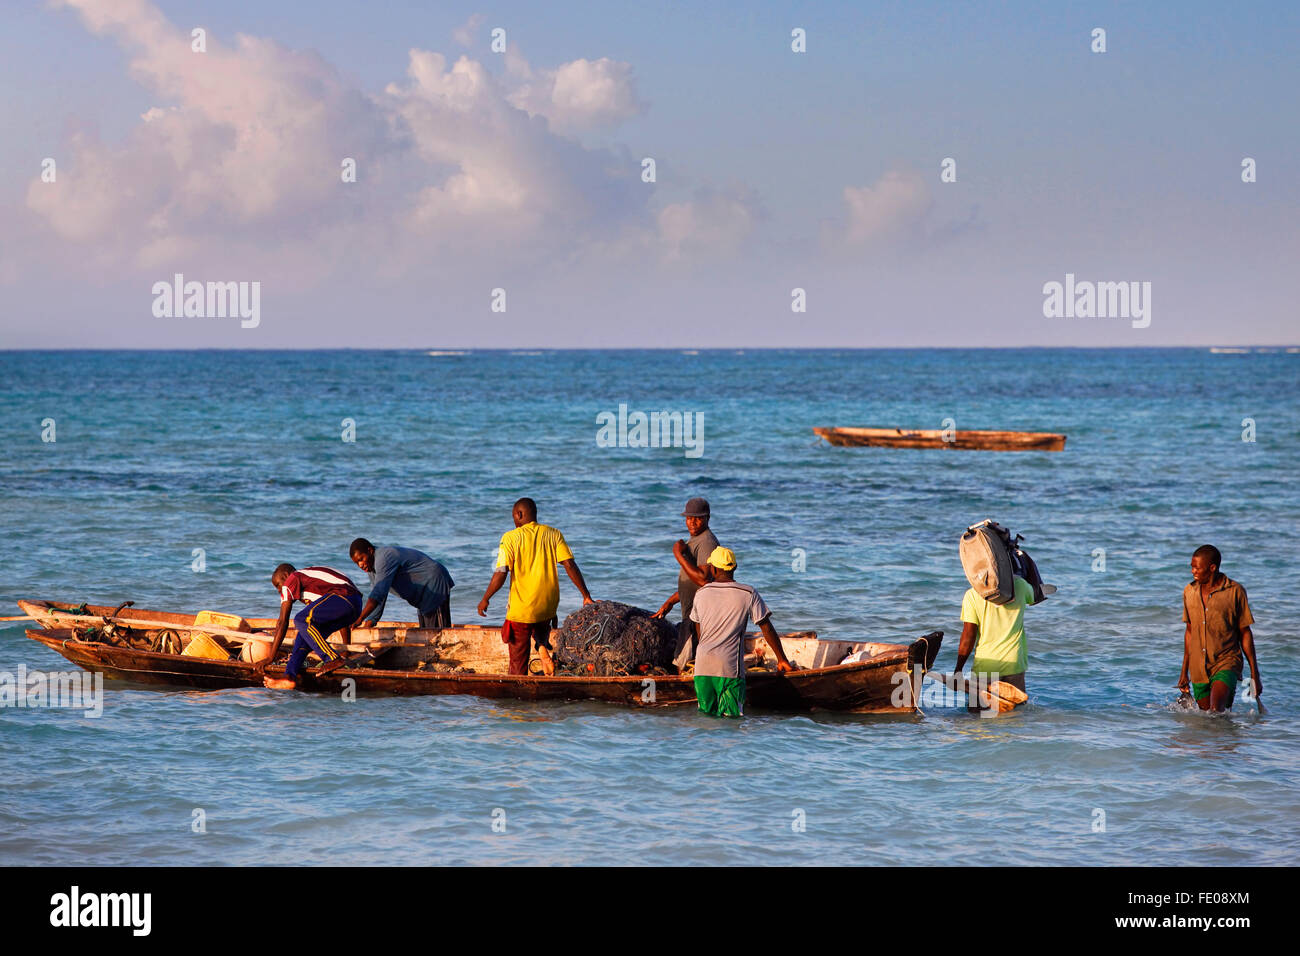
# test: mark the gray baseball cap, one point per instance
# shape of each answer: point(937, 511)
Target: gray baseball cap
point(696, 508)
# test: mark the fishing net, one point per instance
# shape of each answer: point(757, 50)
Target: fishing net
point(607, 638)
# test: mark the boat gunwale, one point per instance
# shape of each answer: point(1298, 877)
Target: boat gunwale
point(51, 638)
point(59, 617)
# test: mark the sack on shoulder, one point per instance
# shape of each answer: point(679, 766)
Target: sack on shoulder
point(985, 551)
point(993, 559)
point(1027, 569)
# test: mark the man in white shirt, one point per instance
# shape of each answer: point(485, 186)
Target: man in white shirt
point(721, 610)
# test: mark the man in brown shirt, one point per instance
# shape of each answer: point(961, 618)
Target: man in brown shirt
point(1217, 634)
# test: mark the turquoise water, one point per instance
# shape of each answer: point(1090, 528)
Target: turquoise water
point(240, 454)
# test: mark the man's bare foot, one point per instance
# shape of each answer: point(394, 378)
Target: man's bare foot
point(278, 683)
point(548, 663)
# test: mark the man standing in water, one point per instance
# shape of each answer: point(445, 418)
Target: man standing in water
point(529, 555)
point(995, 633)
point(721, 610)
point(1217, 634)
point(693, 556)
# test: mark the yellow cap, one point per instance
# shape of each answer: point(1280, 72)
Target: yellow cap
point(724, 559)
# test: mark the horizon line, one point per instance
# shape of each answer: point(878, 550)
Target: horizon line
point(452, 350)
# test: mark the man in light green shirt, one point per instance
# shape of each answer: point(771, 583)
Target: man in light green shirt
point(996, 633)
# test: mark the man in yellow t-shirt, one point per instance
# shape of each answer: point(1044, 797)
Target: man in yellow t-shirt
point(529, 554)
point(996, 633)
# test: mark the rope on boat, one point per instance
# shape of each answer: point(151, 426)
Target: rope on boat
point(599, 627)
point(916, 687)
point(167, 641)
point(926, 641)
point(913, 689)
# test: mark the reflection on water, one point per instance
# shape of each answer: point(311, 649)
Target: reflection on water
point(519, 716)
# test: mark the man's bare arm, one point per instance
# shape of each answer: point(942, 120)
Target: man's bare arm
point(668, 605)
point(365, 613)
point(575, 575)
point(1248, 648)
point(498, 579)
point(697, 574)
point(774, 641)
point(1183, 684)
point(281, 626)
point(966, 646)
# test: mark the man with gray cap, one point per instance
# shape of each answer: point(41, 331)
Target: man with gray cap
point(693, 556)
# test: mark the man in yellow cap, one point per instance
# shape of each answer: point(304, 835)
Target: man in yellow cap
point(722, 608)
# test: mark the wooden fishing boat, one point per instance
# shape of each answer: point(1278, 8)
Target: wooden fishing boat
point(470, 659)
point(934, 438)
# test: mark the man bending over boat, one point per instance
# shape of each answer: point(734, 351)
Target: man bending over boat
point(1217, 634)
point(722, 608)
point(418, 579)
point(693, 557)
point(529, 554)
point(333, 603)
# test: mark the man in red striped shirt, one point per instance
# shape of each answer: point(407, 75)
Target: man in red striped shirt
point(333, 603)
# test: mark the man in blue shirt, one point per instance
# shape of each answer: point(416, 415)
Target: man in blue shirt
point(417, 578)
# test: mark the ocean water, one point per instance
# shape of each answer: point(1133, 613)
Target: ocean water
point(240, 454)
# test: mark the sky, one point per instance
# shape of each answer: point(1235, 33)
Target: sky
point(500, 197)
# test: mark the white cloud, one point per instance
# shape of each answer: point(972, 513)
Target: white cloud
point(244, 146)
point(508, 172)
point(578, 95)
point(466, 32)
point(713, 220)
point(251, 139)
point(895, 203)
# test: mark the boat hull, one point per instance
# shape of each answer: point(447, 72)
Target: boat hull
point(933, 438)
point(878, 685)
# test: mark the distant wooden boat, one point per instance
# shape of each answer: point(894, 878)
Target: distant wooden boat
point(934, 438)
point(471, 659)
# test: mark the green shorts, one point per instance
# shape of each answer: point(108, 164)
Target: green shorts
point(1202, 691)
point(721, 696)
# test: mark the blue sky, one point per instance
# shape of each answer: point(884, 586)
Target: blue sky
point(775, 170)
